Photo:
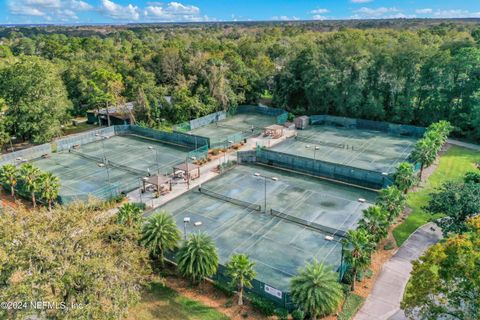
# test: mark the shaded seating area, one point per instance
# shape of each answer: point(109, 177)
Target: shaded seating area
point(162, 184)
point(275, 131)
point(186, 171)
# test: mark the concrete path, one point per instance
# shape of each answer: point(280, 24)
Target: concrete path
point(464, 144)
point(384, 301)
point(207, 172)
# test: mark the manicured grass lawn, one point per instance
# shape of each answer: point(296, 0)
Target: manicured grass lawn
point(163, 303)
point(453, 166)
point(351, 306)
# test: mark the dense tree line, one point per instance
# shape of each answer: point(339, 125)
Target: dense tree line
point(404, 77)
point(415, 76)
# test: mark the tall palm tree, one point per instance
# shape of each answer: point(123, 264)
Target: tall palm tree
point(30, 176)
point(129, 214)
point(49, 187)
point(316, 290)
point(375, 222)
point(425, 153)
point(358, 250)
point(9, 176)
point(392, 200)
point(404, 177)
point(160, 234)
point(197, 258)
point(240, 269)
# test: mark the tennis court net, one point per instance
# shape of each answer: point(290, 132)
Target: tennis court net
point(144, 138)
point(87, 156)
point(238, 202)
point(322, 143)
point(247, 128)
point(110, 163)
point(308, 224)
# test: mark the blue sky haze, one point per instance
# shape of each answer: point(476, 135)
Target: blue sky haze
point(122, 11)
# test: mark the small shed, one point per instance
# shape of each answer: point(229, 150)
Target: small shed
point(301, 122)
point(121, 114)
point(275, 131)
point(162, 184)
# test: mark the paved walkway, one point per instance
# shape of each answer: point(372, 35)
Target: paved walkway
point(207, 172)
point(464, 144)
point(384, 301)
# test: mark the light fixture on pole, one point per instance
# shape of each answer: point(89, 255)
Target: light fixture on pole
point(103, 146)
point(156, 157)
point(186, 221)
point(315, 152)
point(256, 174)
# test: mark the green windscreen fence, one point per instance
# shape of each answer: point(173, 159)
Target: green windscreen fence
point(282, 118)
point(333, 171)
point(182, 127)
point(107, 162)
point(391, 128)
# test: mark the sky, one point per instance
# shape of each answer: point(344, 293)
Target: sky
point(145, 11)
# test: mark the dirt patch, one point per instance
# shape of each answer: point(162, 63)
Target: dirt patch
point(7, 200)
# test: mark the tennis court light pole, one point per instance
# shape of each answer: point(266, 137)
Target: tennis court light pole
point(315, 152)
point(186, 221)
point(156, 157)
point(103, 146)
point(227, 144)
point(256, 174)
point(195, 137)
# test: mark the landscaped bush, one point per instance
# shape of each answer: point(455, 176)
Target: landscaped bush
point(299, 314)
point(350, 307)
point(225, 288)
point(389, 245)
point(281, 313)
point(266, 307)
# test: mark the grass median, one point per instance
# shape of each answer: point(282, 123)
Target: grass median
point(452, 166)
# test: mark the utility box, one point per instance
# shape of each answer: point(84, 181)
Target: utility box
point(301, 122)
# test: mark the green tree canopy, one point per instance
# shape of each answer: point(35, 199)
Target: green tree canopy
point(444, 282)
point(375, 221)
point(241, 270)
point(404, 176)
point(129, 214)
point(31, 179)
point(66, 256)
point(160, 234)
point(458, 201)
point(197, 258)
point(392, 200)
point(316, 290)
point(9, 177)
point(358, 249)
point(36, 98)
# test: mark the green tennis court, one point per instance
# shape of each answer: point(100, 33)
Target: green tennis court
point(129, 158)
point(365, 149)
point(241, 125)
point(232, 211)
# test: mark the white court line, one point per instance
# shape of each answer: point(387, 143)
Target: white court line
point(361, 151)
point(252, 235)
point(274, 268)
point(406, 150)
